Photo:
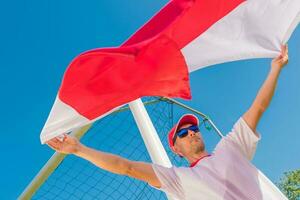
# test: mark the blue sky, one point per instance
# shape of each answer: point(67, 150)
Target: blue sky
point(39, 38)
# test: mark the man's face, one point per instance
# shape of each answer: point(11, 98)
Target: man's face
point(191, 144)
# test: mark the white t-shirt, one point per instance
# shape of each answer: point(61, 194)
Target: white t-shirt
point(227, 174)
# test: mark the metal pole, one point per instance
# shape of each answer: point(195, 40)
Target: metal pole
point(48, 168)
point(216, 129)
point(153, 144)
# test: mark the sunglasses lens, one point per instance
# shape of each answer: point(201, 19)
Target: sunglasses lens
point(194, 128)
point(182, 133)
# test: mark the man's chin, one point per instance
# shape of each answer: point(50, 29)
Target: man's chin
point(199, 148)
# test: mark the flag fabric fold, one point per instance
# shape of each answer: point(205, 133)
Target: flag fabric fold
point(100, 80)
point(184, 36)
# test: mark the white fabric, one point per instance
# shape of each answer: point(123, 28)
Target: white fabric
point(62, 119)
point(255, 29)
point(227, 174)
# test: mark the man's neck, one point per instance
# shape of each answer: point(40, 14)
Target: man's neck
point(195, 157)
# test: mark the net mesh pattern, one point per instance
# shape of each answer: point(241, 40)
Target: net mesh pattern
point(116, 133)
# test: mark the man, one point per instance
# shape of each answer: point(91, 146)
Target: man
point(225, 174)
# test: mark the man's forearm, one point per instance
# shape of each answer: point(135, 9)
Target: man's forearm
point(112, 163)
point(263, 99)
point(267, 90)
point(106, 161)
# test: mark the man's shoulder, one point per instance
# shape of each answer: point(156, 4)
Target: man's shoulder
point(240, 139)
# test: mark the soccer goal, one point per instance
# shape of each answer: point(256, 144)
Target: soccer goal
point(69, 177)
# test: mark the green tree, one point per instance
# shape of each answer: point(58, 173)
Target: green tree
point(289, 184)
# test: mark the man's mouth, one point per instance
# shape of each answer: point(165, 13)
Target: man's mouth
point(196, 139)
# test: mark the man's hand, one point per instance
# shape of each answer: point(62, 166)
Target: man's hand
point(68, 145)
point(280, 61)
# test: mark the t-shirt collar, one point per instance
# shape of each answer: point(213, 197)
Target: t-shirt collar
point(194, 163)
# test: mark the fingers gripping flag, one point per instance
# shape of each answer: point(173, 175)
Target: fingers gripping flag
point(184, 36)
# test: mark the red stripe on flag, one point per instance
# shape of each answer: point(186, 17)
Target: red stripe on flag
point(184, 20)
point(159, 22)
point(102, 79)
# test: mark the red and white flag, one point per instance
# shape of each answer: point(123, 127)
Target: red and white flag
point(186, 35)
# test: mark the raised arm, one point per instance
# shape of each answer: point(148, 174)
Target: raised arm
point(265, 94)
point(110, 162)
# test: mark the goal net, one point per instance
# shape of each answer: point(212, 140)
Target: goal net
point(117, 133)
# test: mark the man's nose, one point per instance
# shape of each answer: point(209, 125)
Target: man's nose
point(191, 133)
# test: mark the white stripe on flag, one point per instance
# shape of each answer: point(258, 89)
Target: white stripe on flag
point(255, 29)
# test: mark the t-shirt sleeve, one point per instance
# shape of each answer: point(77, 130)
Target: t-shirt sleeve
point(170, 183)
point(243, 138)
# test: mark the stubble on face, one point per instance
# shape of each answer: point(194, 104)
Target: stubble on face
point(196, 144)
